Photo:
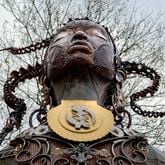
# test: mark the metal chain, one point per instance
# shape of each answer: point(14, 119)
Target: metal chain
point(17, 77)
point(142, 69)
point(31, 48)
point(17, 104)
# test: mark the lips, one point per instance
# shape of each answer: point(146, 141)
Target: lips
point(80, 46)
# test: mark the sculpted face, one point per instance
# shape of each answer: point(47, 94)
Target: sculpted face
point(81, 43)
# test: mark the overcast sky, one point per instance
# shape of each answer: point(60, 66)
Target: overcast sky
point(151, 6)
point(154, 6)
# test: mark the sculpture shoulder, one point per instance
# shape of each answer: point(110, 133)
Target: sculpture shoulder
point(121, 145)
point(7, 156)
point(155, 157)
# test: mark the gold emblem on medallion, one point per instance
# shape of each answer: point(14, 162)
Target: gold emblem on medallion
point(80, 120)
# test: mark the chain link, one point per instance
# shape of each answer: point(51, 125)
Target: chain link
point(17, 104)
point(28, 49)
point(142, 69)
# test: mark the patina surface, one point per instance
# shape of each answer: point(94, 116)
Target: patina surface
point(80, 64)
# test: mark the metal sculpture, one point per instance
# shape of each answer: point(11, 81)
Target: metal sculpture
point(82, 80)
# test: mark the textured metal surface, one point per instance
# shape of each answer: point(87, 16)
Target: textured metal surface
point(82, 64)
point(40, 146)
point(150, 73)
point(114, 149)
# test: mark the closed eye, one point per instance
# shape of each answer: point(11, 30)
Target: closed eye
point(100, 35)
point(57, 39)
point(60, 36)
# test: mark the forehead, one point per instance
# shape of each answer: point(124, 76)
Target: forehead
point(83, 25)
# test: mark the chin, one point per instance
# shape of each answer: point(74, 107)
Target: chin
point(69, 62)
point(78, 61)
point(79, 58)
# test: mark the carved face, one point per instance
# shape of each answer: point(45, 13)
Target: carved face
point(80, 43)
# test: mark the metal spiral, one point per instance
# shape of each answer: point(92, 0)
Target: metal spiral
point(142, 69)
point(17, 104)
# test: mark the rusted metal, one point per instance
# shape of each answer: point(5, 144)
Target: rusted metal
point(142, 69)
point(80, 63)
point(49, 149)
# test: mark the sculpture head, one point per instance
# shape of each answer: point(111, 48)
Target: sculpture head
point(81, 43)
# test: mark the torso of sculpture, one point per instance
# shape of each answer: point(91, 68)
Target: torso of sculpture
point(82, 79)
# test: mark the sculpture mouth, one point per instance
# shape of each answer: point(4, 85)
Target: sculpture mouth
point(80, 46)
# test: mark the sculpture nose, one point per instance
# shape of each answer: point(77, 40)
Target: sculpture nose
point(79, 35)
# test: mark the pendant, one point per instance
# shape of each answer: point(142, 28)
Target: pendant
point(80, 120)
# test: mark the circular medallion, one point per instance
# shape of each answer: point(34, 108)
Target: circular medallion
point(80, 120)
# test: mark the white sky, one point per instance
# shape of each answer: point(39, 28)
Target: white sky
point(152, 6)
point(4, 16)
